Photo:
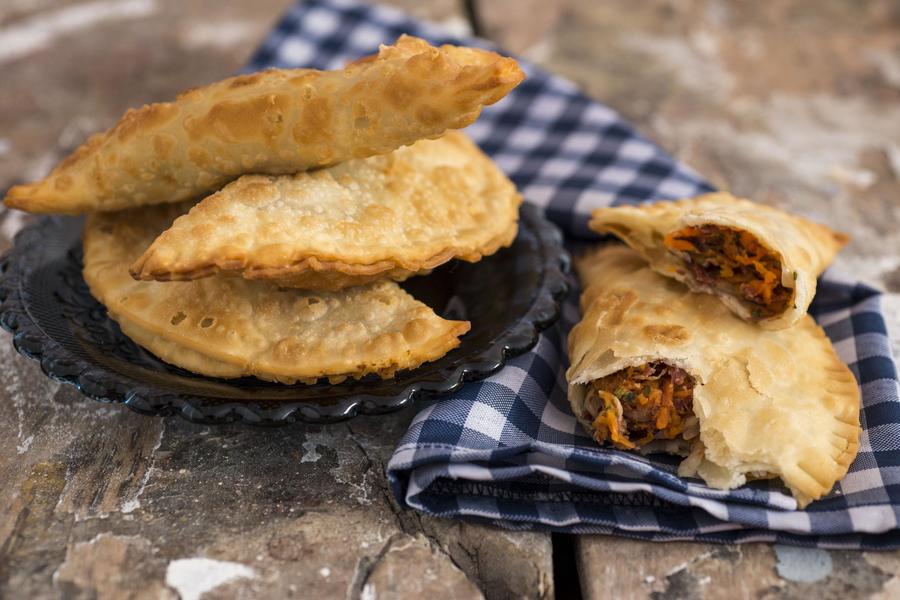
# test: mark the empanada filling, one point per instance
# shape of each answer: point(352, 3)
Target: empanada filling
point(632, 407)
point(734, 262)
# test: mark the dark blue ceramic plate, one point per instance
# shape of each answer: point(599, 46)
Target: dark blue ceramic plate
point(509, 298)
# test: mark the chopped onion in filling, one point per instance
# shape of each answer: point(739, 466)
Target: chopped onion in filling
point(735, 262)
point(639, 404)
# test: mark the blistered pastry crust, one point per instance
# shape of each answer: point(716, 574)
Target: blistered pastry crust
point(388, 216)
point(229, 327)
point(278, 121)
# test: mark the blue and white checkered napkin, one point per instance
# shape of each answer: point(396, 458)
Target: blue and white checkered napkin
point(508, 450)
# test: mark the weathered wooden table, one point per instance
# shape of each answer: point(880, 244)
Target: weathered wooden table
point(792, 102)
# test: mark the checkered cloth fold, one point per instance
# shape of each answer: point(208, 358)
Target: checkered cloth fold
point(507, 450)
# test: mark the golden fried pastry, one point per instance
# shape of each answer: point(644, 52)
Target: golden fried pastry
point(659, 368)
point(273, 122)
point(760, 261)
point(231, 327)
point(387, 216)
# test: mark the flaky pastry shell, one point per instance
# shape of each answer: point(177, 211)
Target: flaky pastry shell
point(231, 327)
point(387, 216)
point(273, 122)
point(768, 402)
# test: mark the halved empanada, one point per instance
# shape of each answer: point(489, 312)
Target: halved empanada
point(387, 216)
point(274, 122)
point(761, 262)
point(230, 327)
point(657, 367)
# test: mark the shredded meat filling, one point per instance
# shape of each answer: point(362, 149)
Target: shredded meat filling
point(735, 262)
point(637, 405)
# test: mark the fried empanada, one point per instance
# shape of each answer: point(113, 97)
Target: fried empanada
point(230, 327)
point(659, 368)
point(387, 216)
point(760, 261)
point(273, 122)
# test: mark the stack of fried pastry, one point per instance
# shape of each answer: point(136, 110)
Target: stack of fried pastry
point(695, 341)
point(258, 225)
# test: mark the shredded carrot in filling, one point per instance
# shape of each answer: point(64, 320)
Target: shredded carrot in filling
point(733, 259)
point(640, 404)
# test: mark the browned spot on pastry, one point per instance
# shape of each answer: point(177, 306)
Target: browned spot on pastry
point(386, 343)
point(235, 121)
point(63, 183)
point(245, 80)
point(130, 166)
point(144, 118)
point(199, 157)
point(377, 213)
point(667, 334)
point(415, 330)
point(399, 93)
point(487, 84)
point(257, 189)
point(202, 229)
point(99, 179)
point(286, 348)
point(313, 126)
point(428, 116)
point(163, 144)
point(615, 305)
point(81, 152)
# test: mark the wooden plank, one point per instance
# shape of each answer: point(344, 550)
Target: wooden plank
point(96, 499)
point(634, 570)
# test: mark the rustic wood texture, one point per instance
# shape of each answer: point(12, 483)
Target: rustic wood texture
point(792, 102)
